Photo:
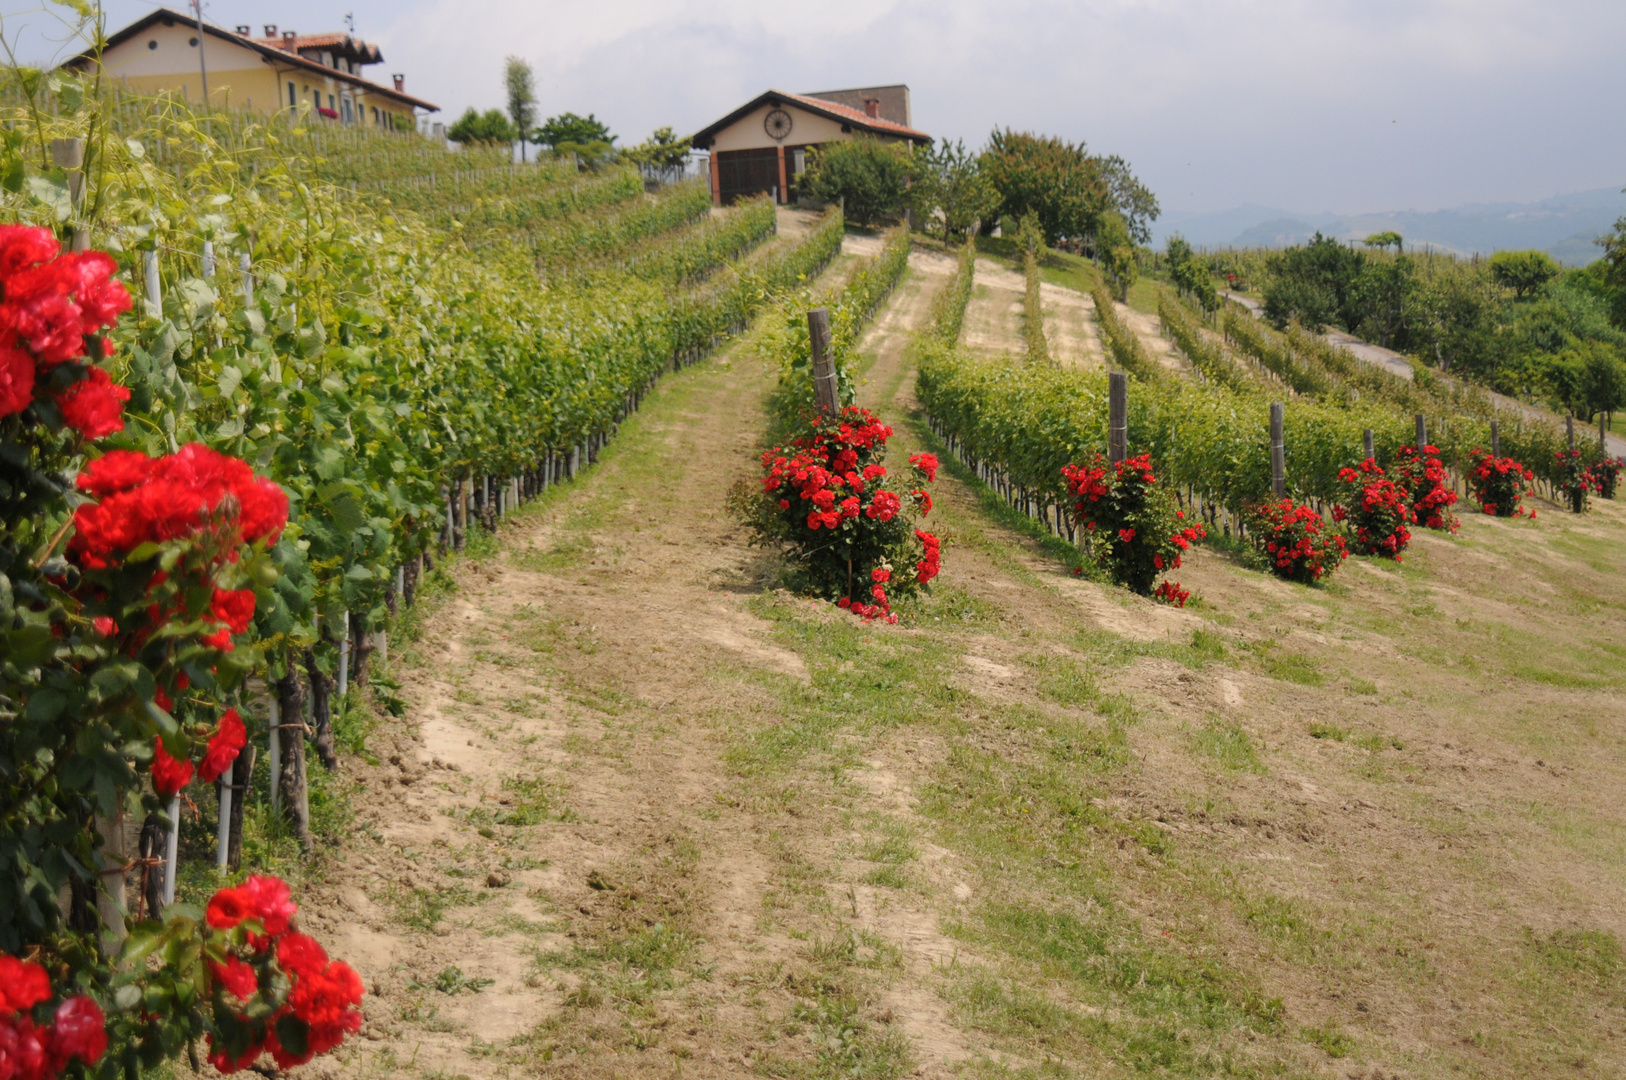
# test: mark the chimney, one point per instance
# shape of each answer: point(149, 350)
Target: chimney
point(400, 83)
point(270, 29)
point(289, 35)
point(872, 108)
point(244, 29)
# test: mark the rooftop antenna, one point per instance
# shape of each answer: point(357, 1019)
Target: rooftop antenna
point(350, 20)
point(203, 66)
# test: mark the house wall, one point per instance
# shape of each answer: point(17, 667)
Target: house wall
point(747, 133)
point(894, 100)
point(238, 77)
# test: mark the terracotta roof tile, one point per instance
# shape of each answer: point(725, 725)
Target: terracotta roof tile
point(857, 116)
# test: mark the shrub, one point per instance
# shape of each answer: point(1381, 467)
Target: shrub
point(1130, 524)
point(1575, 480)
point(870, 178)
point(828, 500)
point(1498, 485)
point(1296, 541)
point(1422, 478)
point(1606, 477)
point(1374, 507)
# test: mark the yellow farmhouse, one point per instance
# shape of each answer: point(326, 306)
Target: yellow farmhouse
point(277, 70)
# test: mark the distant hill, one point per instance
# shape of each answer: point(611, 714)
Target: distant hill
point(1564, 226)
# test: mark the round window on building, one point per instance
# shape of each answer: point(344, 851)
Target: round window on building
point(192, 42)
point(152, 44)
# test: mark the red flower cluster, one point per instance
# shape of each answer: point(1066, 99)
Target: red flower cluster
point(169, 774)
point(52, 302)
point(152, 500)
point(831, 506)
point(321, 1006)
point(1606, 476)
point(78, 1029)
point(1575, 480)
point(1296, 541)
point(1170, 592)
point(1148, 536)
point(1422, 478)
point(223, 748)
point(1498, 485)
point(1375, 508)
point(932, 564)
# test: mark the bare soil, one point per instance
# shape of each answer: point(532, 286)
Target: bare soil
point(688, 823)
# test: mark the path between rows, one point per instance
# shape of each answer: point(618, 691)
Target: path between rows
point(563, 771)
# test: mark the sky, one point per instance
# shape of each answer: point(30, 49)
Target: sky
point(1347, 106)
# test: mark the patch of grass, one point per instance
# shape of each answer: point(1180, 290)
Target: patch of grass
point(887, 877)
point(423, 909)
point(1330, 1039)
point(1228, 745)
point(1592, 954)
point(1328, 731)
point(1365, 687)
point(451, 980)
point(1294, 668)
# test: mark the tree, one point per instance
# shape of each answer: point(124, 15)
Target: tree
point(948, 186)
point(585, 136)
point(1055, 180)
point(1611, 269)
point(567, 127)
point(662, 150)
point(490, 126)
point(1314, 283)
point(1388, 239)
point(1587, 378)
point(1522, 271)
point(869, 177)
point(1115, 248)
point(521, 87)
point(1132, 199)
point(1189, 273)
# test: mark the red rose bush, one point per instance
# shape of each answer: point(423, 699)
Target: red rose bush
point(1130, 524)
point(1295, 541)
point(1422, 477)
point(1376, 511)
point(1499, 484)
point(829, 500)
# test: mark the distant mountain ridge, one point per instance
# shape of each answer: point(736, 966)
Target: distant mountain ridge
point(1564, 226)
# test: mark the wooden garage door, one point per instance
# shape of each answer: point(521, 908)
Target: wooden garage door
point(743, 173)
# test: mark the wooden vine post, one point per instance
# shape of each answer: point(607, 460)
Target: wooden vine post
point(1366, 443)
point(1278, 452)
point(69, 154)
point(1117, 416)
point(825, 390)
point(1569, 425)
point(1422, 434)
point(1496, 441)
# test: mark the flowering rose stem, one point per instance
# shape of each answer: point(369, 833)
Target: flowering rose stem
point(170, 844)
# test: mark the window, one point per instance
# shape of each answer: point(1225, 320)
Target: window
point(293, 98)
point(330, 102)
point(348, 115)
point(152, 44)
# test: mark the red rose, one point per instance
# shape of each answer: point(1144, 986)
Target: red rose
point(169, 775)
point(16, 380)
point(222, 751)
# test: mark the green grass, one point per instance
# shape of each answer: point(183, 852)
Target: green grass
point(1228, 746)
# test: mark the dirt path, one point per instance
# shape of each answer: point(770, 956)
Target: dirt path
point(993, 318)
point(1069, 322)
point(690, 824)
